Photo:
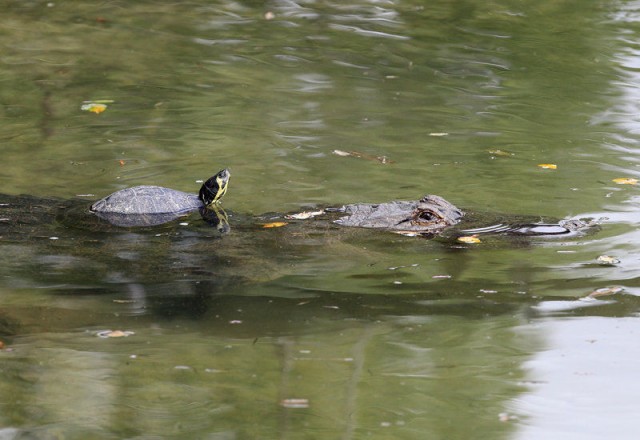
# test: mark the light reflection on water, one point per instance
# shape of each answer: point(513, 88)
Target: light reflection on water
point(377, 335)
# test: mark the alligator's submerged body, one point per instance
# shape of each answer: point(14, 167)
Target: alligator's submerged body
point(432, 215)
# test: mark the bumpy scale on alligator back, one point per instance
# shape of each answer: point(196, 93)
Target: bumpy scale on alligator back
point(427, 216)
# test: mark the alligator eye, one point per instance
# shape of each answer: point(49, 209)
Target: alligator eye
point(427, 216)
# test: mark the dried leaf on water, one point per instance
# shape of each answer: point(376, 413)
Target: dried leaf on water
point(605, 291)
point(294, 403)
point(274, 224)
point(114, 334)
point(625, 181)
point(97, 106)
point(407, 233)
point(93, 107)
point(548, 166)
point(501, 153)
point(606, 259)
point(381, 159)
point(469, 239)
point(304, 215)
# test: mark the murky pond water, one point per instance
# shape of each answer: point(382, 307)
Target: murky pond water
point(309, 330)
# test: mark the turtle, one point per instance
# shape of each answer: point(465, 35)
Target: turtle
point(153, 205)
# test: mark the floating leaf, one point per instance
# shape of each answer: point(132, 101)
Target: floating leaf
point(294, 403)
point(274, 224)
point(439, 134)
point(606, 259)
point(122, 162)
point(605, 291)
point(548, 166)
point(381, 159)
point(500, 153)
point(407, 233)
point(93, 107)
point(304, 215)
point(114, 334)
point(469, 239)
point(626, 181)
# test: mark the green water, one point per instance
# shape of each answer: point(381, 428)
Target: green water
point(297, 333)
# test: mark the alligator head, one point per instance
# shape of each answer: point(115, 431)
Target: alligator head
point(428, 215)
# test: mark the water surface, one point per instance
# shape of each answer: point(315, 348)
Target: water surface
point(298, 332)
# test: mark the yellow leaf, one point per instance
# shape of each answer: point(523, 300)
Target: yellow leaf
point(274, 224)
point(469, 239)
point(626, 181)
point(93, 107)
point(548, 166)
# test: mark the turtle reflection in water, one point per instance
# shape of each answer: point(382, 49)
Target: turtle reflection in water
point(154, 205)
point(427, 217)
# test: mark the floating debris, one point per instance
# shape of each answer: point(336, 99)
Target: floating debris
point(469, 239)
point(114, 334)
point(294, 403)
point(440, 134)
point(407, 233)
point(304, 215)
point(625, 181)
point(548, 166)
point(506, 417)
point(274, 224)
point(96, 107)
point(605, 291)
point(403, 266)
point(501, 153)
point(381, 159)
point(183, 368)
point(607, 260)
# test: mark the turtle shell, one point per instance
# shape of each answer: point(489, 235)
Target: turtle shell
point(147, 200)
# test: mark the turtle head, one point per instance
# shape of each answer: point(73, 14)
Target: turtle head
point(213, 189)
